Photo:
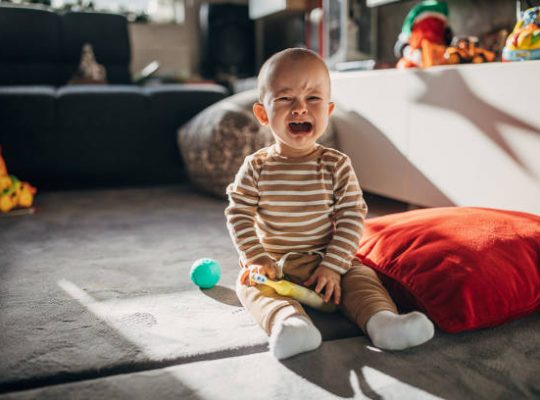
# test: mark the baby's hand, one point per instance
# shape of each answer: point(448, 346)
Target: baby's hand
point(266, 267)
point(326, 279)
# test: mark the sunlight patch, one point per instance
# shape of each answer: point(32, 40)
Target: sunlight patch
point(174, 325)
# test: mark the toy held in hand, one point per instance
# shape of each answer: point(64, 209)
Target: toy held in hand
point(300, 293)
point(205, 273)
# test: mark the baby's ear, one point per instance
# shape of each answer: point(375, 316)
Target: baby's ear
point(331, 107)
point(260, 113)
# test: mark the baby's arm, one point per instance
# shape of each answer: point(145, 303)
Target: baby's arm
point(349, 213)
point(241, 212)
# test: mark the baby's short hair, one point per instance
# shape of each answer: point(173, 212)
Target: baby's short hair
point(294, 53)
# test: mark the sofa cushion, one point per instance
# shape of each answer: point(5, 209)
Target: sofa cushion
point(29, 46)
point(170, 106)
point(27, 118)
point(467, 268)
point(103, 134)
point(109, 37)
point(23, 106)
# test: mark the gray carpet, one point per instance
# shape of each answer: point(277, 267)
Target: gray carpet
point(96, 302)
point(97, 283)
point(500, 363)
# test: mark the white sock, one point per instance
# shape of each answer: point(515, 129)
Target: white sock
point(294, 335)
point(397, 332)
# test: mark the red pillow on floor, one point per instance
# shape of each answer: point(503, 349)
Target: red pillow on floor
point(467, 268)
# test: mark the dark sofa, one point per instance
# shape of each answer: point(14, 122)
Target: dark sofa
point(58, 135)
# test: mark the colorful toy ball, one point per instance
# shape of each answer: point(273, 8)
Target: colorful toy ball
point(205, 273)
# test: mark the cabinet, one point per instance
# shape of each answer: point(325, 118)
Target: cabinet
point(466, 135)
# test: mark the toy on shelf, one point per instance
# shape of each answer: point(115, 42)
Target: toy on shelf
point(297, 292)
point(494, 41)
point(424, 35)
point(524, 41)
point(464, 49)
point(13, 192)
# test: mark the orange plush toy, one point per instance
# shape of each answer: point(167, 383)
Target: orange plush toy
point(13, 192)
point(424, 36)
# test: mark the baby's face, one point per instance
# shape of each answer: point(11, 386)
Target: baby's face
point(297, 105)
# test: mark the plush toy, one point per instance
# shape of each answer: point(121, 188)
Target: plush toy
point(524, 41)
point(300, 293)
point(13, 192)
point(424, 36)
point(89, 71)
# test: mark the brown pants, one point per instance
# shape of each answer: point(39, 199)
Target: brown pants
point(362, 294)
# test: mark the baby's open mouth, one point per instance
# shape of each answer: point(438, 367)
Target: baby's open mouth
point(300, 127)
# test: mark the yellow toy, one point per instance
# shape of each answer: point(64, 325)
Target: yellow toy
point(13, 192)
point(300, 293)
point(524, 41)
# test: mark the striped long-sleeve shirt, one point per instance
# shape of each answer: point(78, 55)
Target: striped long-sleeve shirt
point(279, 205)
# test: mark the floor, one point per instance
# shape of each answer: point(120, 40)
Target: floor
point(96, 302)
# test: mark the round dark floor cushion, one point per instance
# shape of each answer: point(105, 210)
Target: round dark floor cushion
point(215, 142)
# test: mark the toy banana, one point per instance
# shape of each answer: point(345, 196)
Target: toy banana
point(297, 292)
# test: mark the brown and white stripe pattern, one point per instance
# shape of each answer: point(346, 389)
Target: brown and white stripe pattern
point(279, 205)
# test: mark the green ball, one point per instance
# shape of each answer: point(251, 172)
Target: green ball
point(205, 273)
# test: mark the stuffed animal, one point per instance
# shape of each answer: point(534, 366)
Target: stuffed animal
point(13, 192)
point(424, 36)
point(524, 41)
point(89, 71)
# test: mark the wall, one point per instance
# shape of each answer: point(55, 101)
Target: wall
point(170, 44)
point(176, 47)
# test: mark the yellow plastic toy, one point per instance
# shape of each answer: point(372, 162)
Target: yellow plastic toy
point(524, 41)
point(13, 192)
point(300, 293)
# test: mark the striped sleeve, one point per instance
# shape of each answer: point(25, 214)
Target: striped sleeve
point(350, 211)
point(241, 213)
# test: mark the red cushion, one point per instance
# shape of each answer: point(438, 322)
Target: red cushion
point(466, 268)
